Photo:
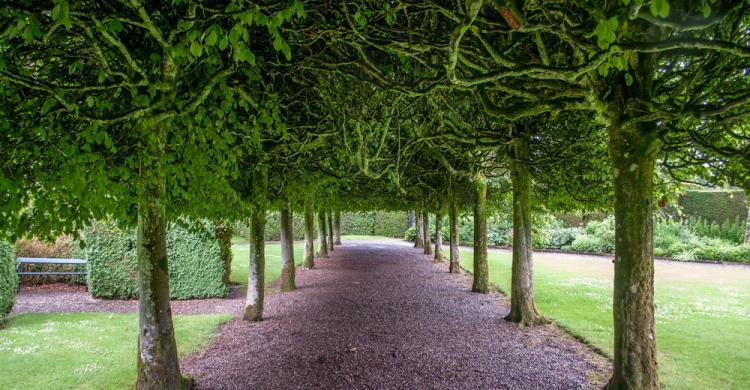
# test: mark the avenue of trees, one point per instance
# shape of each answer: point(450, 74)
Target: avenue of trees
point(144, 112)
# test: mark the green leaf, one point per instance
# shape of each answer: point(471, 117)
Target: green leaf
point(48, 105)
point(628, 79)
point(195, 49)
point(90, 101)
point(603, 69)
point(223, 43)
point(706, 10)
point(28, 35)
point(287, 51)
point(660, 8)
point(212, 38)
point(606, 32)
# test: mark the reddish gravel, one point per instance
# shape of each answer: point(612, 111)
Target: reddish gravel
point(63, 298)
point(381, 315)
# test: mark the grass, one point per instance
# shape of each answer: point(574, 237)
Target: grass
point(241, 262)
point(84, 350)
point(702, 313)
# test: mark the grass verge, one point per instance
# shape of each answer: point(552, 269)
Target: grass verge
point(702, 312)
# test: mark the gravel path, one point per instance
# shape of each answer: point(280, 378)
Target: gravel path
point(381, 315)
point(62, 298)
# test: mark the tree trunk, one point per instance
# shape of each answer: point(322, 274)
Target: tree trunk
point(747, 220)
point(309, 262)
point(223, 232)
point(329, 217)
point(256, 276)
point(481, 282)
point(157, 367)
point(455, 265)
point(633, 158)
point(287, 250)
point(522, 308)
point(419, 240)
point(426, 232)
point(439, 236)
point(337, 227)
point(409, 219)
point(322, 242)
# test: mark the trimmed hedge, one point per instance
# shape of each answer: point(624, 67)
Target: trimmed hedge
point(8, 278)
point(376, 223)
point(714, 206)
point(196, 265)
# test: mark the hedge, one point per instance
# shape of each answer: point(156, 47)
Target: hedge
point(714, 206)
point(377, 223)
point(8, 278)
point(196, 265)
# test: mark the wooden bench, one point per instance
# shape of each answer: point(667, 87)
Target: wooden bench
point(20, 261)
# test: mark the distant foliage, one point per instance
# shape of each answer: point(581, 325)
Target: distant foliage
point(376, 223)
point(8, 278)
point(733, 232)
point(714, 206)
point(196, 266)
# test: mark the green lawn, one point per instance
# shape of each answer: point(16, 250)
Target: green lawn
point(702, 313)
point(84, 350)
point(241, 261)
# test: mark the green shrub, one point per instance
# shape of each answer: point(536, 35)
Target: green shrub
point(376, 223)
point(562, 236)
point(586, 243)
point(410, 234)
point(728, 231)
point(196, 266)
point(8, 278)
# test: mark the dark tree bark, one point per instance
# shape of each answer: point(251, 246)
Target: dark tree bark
point(419, 240)
point(322, 242)
point(256, 274)
point(481, 282)
point(522, 308)
point(329, 217)
point(223, 233)
point(337, 227)
point(633, 154)
point(455, 265)
point(157, 367)
point(287, 250)
point(309, 261)
point(426, 232)
point(409, 219)
point(439, 236)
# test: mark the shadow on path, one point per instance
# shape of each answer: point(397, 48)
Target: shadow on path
point(382, 315)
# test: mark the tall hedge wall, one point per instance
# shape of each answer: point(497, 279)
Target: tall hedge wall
point(377, 223)
point(8, 278)
point(715, 206)
point(196, 265)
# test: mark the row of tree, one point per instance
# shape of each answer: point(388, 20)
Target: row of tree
point(144, 112)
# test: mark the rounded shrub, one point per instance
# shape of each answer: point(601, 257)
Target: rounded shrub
point(8, 278)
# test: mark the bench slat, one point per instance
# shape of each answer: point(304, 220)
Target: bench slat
point(52, 273)
point(40, 260)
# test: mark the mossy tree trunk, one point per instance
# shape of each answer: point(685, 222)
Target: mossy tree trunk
point(633, 155)
point(287, 250)
point(747, 220)
point(322, 242)
point(481, 282)
point(157, 366)
point(409, 219)
point(309, 261)
point(426, 232)
point(329, 222)
point(419, 239)
point(337, 227)
point(455, 265)
point(439, 235)
point(256, 274)
point(223, 231)
point(522, 308)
